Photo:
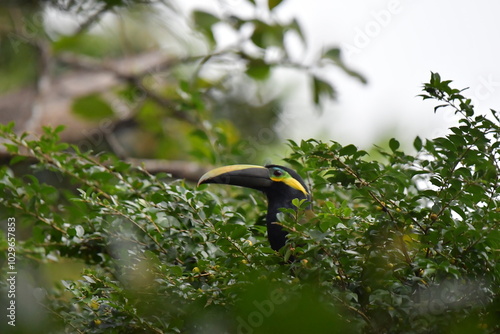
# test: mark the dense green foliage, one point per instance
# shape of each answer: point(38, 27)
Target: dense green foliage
point(407, 243)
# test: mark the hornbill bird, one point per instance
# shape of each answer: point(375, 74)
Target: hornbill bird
point(280, 184)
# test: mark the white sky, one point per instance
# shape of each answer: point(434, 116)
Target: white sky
point(395, 44)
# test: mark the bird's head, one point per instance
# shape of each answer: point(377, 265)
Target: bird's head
point(280, 184)
point(277, 182)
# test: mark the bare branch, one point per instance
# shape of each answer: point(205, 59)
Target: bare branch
point(178, 169)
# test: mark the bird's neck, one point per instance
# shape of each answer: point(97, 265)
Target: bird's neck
point(275, 233)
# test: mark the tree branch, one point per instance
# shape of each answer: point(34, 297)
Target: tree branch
point(179, 169)
point(186, 170)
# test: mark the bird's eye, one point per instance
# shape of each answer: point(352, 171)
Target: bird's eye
point(277, 173)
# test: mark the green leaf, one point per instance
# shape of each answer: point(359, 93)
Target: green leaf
point(295, 26)
point(266, 35)
point(333, 54)
point(121, 166)
point(435, 79)
point(417, 143)
point(59, 128)
point(258, 69)
point(322, 88)
point(7, 128)
point(91, 107)
point(439, 107)
point(12, 148)
point(38, 234)
point(102, 177)
point(348, 150)
point(445, 143)
point(95, 45)
point(71, 231)
point(200, 134)
point(393, 144)
point(204, 21)
point(273, 3)
point(459, 211)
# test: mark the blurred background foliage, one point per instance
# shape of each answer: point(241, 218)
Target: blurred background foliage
point(159, 73)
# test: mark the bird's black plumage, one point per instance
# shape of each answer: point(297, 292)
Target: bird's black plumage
point(280, 184)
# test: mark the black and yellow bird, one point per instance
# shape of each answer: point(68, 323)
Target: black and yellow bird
point(280, 184)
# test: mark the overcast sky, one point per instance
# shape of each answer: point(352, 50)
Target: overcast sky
point(395, 44)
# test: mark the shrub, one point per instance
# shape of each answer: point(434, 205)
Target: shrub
point(407, 243)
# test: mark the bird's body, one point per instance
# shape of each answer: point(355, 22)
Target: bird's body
point(280, 184)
